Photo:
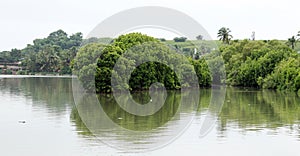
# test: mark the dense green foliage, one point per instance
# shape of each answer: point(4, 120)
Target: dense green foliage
point(111, 54)
point(85, 63)
point(52, 54)
point(254, 63)
point(130, 53)
point(48, 55)
point(286, 76)
point(10, 56)
point(247, 64)
point(136, 48)
point(262, 64)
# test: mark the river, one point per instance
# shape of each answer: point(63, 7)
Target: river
point(38, 116)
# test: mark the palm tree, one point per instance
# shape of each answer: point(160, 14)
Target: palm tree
point(224, 35)
point(292, 42)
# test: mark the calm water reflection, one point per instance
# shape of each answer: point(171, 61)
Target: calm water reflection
point(258, 122)
point(251, 110)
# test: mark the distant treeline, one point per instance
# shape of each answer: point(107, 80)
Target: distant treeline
point(48, 55)
point(271, 64)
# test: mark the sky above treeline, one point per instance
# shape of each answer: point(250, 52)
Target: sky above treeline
point(22, 21)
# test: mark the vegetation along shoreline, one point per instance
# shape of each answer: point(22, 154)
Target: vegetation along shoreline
point(262, 64)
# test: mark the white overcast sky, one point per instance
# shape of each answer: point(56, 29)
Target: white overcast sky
point(24, 20)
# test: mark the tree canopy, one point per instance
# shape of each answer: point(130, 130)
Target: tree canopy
point(269, 64)
point(52, 54)
point(130, 52)
point(257, 63)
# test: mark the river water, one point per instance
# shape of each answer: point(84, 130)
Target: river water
point(38, 116)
